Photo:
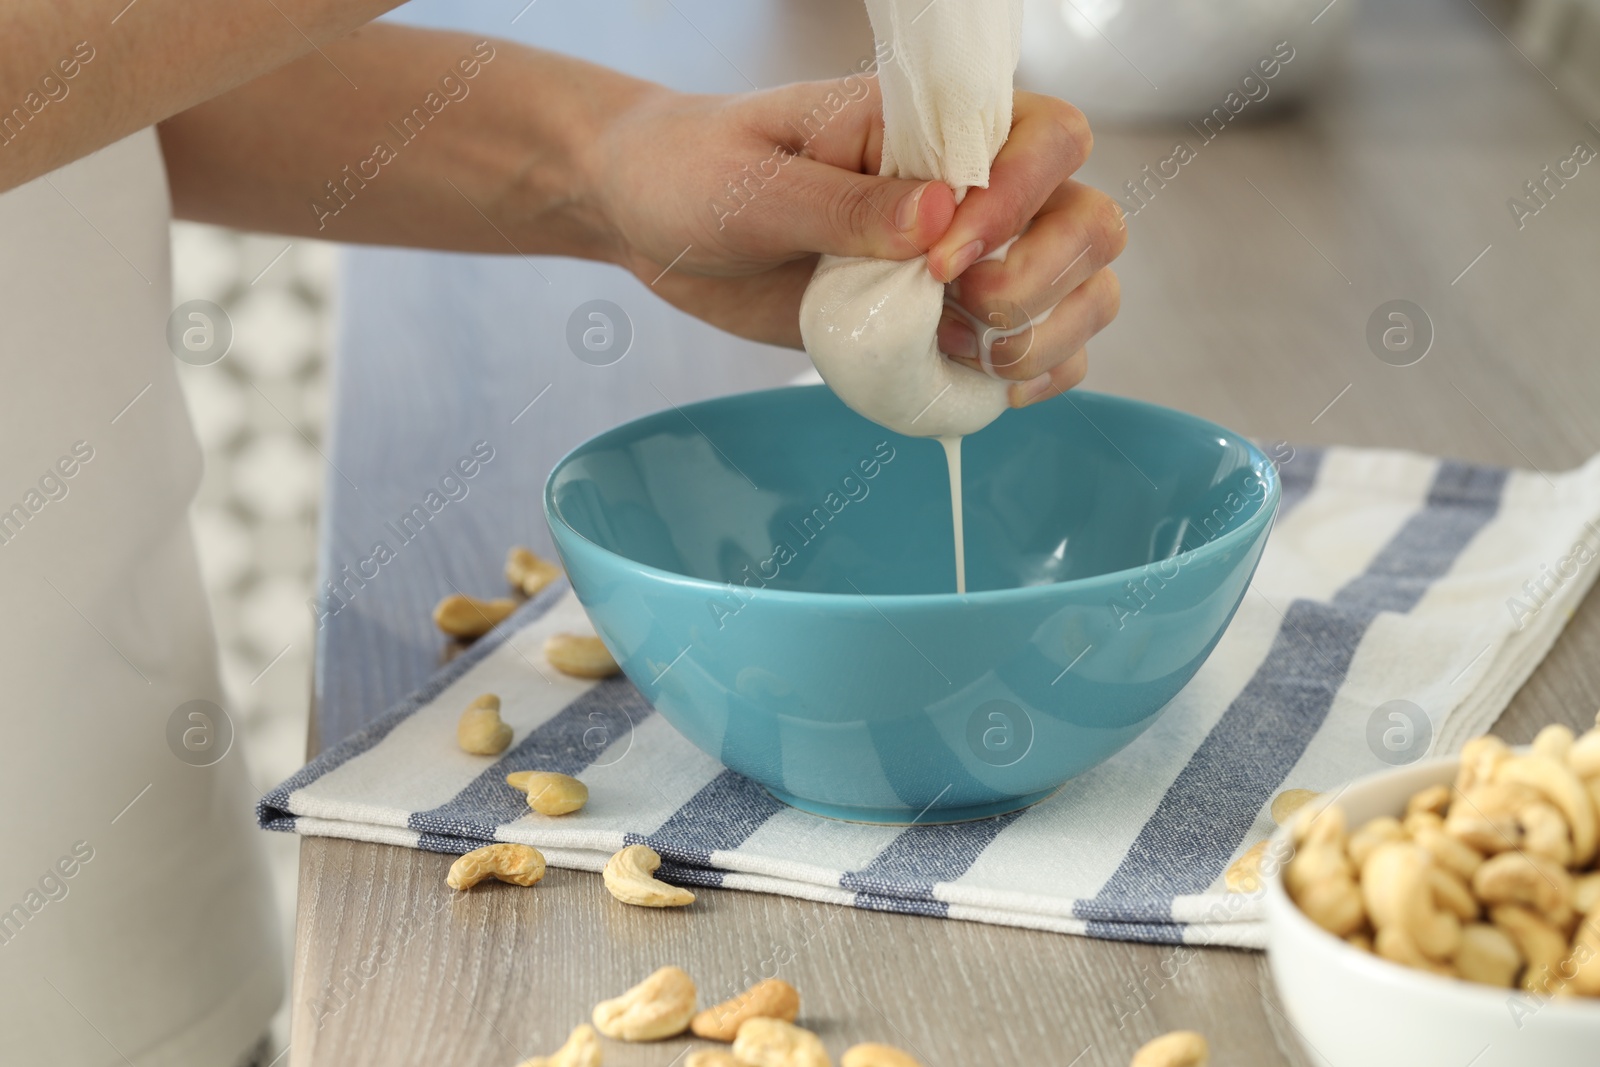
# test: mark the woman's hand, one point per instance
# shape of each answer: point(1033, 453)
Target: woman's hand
point(722, 203)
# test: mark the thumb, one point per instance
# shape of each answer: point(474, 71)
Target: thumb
point(816, 207)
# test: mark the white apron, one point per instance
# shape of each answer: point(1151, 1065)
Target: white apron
point(142, 933)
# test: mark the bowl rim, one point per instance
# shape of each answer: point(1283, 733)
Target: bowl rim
point(1244, 532)
point(1368, 965)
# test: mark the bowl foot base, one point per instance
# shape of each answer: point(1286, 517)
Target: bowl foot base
point(930, 816)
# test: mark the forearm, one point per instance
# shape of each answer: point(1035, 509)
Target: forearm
point(451, 142)
point(77, 75)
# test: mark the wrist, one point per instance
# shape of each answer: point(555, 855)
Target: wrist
point(616, 117)
point(559, 194)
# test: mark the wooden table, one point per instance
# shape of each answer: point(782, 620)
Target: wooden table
point(1248, 284)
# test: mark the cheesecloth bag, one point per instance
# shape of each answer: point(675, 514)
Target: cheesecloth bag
point(869, 324)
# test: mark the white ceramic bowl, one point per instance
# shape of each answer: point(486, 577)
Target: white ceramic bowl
point(1136, 61)
point(1353, 1009)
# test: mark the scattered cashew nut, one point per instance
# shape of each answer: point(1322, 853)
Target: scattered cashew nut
point(480, 730)
point(1286, 803)
point(775, 1043)
point(550, 793)
point(1181, 1048)
point(579, 656)
point(772, 998)
point(467, 617)
point(581, 1050)
point(1244, 874)
point(529, 572)
point(629, 877)
point(873, 1054)
point(517, 864)
point(658, 1007)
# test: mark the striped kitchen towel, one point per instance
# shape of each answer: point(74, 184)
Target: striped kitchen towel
point(1401, 601)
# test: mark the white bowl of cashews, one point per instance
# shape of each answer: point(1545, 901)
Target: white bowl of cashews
point(1386, 897)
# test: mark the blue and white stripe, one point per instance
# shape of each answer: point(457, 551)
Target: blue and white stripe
point(1387, 577)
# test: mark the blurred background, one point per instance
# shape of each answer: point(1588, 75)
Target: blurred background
point(261, 413)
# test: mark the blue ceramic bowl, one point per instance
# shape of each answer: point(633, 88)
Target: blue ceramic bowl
point(776, 575)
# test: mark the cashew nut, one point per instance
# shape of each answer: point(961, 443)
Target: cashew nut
point(660, 1006)
point(1586, 892)
point(1451, 893)
point(711, 1057)
point(628, 875)
point(1286, 803)
point(770, 999)
point(1554, 741)
point(1558, 784)
point(579, 656)
point(1434, 799)
point(1545, 833)
point(1181, 1048)
point(529, 572)
point(1583, 963)
point(1487, 816)
point(517, 864)
point(1320, 879)
point(1522, 878)
point(1397, 887)
point(1244, 874)
point(875, 1055)
point(1541, 945)
point(1335, 906)
point(467, 617)
point(1372, 834)
point(1584, 756)
point(480, 730)
point(1393, 943)
point(1453, 855)
point(1479, 758)
point(1417, 822)
point(550, 793)
point(1488, 955)
point(775, 1043)
point(1318, 824)
point(581, 1050)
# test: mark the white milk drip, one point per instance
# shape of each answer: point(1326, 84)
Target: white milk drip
point(870, 325)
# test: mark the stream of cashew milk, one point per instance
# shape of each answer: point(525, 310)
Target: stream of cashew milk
point(952, 457)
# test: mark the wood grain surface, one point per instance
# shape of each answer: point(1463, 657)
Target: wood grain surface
point(1248, 283)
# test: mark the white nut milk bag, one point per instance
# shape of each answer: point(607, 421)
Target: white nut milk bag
point(869, 324)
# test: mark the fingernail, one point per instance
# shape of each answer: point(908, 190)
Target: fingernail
point(1030, 390)
point(956, 338)
point(965, 257)
point(905, 217)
